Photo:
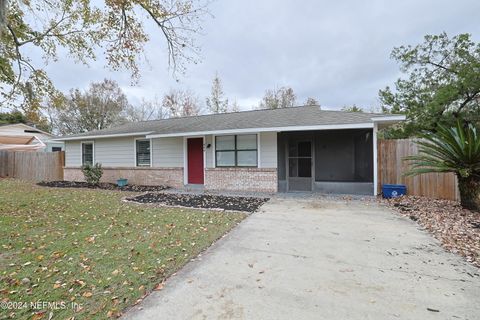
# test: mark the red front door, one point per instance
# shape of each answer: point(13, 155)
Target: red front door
point(195, 160)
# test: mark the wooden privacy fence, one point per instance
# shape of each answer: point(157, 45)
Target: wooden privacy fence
point(391, 168)
point(33, 166)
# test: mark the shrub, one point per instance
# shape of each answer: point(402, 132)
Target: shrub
point(92, 173)
point(454, 150)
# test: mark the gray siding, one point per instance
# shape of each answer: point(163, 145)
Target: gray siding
point(110, 152)
point(167, 152)
point(115, 152)
point(268, 150)
point(209, 152)
point(73, 156)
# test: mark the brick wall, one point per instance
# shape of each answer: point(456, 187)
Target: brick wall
point(172, 177)
point(228, 179)
point(241, 179)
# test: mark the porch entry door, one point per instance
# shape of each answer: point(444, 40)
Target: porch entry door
point(300, 165)
point(195, 160)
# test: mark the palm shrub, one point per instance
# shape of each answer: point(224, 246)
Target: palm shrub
point(92, 173)
point(456, 150)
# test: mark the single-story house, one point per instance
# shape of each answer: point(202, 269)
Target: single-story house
point(22, 137)
point(290, 149)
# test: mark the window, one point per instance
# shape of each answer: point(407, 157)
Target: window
point(56, 149)
point(142, 148)
point(236, 151)
point(87, 153)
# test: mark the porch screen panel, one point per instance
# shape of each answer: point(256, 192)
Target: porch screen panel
point(344, 156)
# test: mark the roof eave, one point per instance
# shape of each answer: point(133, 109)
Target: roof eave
point(389, 119)
point(100, 136)
point(365, 125)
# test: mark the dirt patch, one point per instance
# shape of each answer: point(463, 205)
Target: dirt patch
point(103, 185)
point(203, 201)
point(458, 229)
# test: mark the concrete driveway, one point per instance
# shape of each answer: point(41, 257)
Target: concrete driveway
point(320, 259)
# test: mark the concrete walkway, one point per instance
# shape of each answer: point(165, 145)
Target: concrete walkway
point(320, 259)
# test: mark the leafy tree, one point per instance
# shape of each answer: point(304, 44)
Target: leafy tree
point(283, 97)
point(457, 150)
point(443, 83)
point(3, 9)
point(181, 103)
point(16, 116)
point(311, 102)
point(353, 108)
point(82, 29)
point(216, 103)
point(101, 106)
point(12, 117)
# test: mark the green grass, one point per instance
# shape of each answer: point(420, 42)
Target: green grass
point(88, 247)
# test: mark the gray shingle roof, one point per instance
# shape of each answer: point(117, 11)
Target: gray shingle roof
point(287, 117)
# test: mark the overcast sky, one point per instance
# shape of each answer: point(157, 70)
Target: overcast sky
point(335, 51)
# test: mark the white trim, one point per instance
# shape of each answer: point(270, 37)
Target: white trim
point(185, 161)
point(390, 118)
point(258, 151)
point(151, 152)
point(135, 164)
point(131, 134)
point(375, 160)
point(214, 154)
point(185, 158)
point(272, 129)
point(93, 151)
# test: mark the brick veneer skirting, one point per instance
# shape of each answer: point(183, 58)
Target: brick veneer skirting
point(172, 177)
point(241, 179)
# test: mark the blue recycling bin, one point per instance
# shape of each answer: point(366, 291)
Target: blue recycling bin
point(122, 182)
point(393, 190)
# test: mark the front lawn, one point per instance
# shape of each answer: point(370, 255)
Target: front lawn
point(84, 246)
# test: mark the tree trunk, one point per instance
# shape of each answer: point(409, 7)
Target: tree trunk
point(469, 193)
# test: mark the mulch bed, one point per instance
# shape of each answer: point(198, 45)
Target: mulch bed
point(103, 185)
point(458, 229)
point(202, 201)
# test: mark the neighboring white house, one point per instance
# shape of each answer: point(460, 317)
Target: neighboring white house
point(290, 149)
point(22, 137)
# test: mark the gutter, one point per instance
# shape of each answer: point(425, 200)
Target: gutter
point(100, 136)
point(388, 119)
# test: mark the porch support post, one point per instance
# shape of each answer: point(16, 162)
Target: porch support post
point(375, 159)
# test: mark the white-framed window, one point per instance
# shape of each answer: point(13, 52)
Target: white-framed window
point(87, 153)
point(236, 151)
point(142, 153)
